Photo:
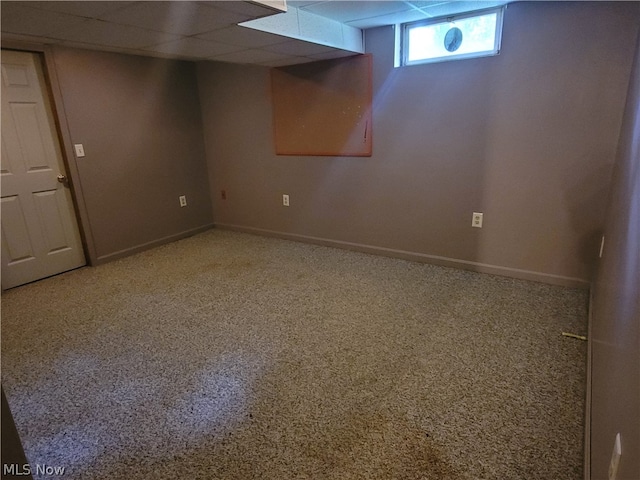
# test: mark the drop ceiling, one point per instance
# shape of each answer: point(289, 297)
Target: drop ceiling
point(202, 30)
point(369, 14)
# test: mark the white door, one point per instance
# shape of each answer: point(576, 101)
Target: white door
point(40, 235)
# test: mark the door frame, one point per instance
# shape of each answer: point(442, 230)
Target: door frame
point(54, 92)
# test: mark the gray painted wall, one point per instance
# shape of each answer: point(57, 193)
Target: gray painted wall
point(615, 329)
point(140, 123)
point(527, 137)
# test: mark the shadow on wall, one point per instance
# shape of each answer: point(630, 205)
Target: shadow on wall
point(586, 191)
point(554, 123)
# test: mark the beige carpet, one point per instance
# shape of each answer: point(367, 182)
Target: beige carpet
point(231, 356)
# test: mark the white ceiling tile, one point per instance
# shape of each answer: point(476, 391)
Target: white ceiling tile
point(101, 48)
point(390, 19)
point(127, 51)
point(332, 54)
point(110, 34)
point(194, 47)
point(184, 18)
point(450, 8)
point(138, 26)
point(298, 47)
point(303, 3)
point(279, 5)
point(252, 55)
point(18, 18)
point(282, 22)
point(148, 53)
point(426, 4)
point(27, 38)
point(243, 36)
point(91, 9)
point(247, 9)
point(293, 60)
point(317, 28)
point(345, 11)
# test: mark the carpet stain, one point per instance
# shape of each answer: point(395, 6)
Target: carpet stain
point(378, 445)
point(228, 356)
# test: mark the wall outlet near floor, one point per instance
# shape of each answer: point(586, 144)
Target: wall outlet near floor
point(285, 200)
point(476, 220)
point(615, 458)
point(183, 200)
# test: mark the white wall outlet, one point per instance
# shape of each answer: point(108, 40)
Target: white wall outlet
point(285, 200)
point(79, 150)
point(183, 200)
point(476, 220)
point(615, 458)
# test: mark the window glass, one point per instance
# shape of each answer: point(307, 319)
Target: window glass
point(459, 37)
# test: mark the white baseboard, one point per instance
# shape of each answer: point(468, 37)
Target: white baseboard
point(155, 243)
point(418, 257)
point(588, 399)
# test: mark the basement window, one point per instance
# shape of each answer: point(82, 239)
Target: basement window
point(465, 35)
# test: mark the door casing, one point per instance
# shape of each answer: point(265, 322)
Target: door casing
point(47, 58)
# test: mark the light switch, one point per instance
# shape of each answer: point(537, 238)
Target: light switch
point(79, 150)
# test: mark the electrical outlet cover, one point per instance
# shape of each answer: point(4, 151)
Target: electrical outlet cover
point(476, 219)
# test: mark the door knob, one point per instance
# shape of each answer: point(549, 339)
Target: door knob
point(63, 179)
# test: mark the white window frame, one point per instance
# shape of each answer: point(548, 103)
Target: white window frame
point(402, 37)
